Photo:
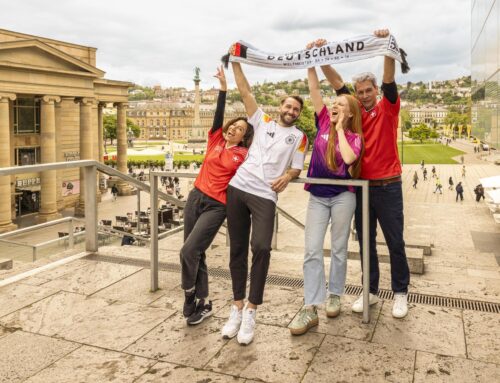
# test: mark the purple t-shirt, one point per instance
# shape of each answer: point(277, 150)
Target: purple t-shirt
point(318, 167)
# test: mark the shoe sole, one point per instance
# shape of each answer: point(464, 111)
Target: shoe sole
point(245, 343)
point(333, 314)
point(230, 336)
point(201, 319)
point(303, 330)
point(360, 311)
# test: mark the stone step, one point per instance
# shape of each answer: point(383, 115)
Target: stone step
point(5, 264)
point(415, 256)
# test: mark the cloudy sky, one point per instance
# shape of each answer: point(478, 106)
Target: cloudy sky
point(160, 42)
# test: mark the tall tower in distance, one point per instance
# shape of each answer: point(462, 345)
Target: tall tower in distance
point(197, 133)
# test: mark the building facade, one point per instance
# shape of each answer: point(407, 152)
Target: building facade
point(428, 115)
point(174, 121)
point(485, 64)
point(51, 101)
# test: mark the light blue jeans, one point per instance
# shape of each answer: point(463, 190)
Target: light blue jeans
point(340, 210)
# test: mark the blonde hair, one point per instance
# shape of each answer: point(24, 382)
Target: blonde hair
point(353, 124)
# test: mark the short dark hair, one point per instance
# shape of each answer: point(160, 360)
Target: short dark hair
point(247, 137)
point(296, 98)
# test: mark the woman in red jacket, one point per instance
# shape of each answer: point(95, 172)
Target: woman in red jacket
point(205, 209)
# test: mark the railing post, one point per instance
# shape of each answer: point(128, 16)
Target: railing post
point(366, 252)
point(153, 182)
point(90, 176)
point(274, 242)
point(34, 254)
point(71, 238)
point(138, 211)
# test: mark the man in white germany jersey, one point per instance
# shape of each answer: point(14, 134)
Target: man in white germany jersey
point(276, 156)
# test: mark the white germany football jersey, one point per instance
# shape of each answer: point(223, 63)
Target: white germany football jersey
point(274, 149)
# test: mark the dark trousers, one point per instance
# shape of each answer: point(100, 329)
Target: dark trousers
point(386, 207)
point(461, 195)
point(245, 211)
point(203, 216)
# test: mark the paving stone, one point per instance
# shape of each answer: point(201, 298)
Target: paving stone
point(61, 270)
point(432, 368)
point(273, 356)
point(167, 372)
point(89, 364)
point(136, 287)
point(220, 293)
point(16, 296)
point(175, 341)
point(24, 354)
point(482, 334)
point(425, 328)
point(115, 326)
point(348, 324)
point(348, 360)
point(93, 277)
point(54, 314)
point(34, 281)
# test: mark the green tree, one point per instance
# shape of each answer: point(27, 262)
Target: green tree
point(405, 119)
point(306, 122)
point(421, 132)
point(110, 124)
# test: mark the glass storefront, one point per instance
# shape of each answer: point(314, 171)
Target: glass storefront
point(485, 63)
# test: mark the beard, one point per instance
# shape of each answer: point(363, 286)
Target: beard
point(287, 120)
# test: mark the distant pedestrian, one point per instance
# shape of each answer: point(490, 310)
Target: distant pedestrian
point(460, 192)
point(475, 151)
point(462, 159)
point(415, 180)
point(114, 192)
point(425, 174)
point(422, 164)
point(439, 186)
point(433, 170)
point(450, 182)
point(479, 190)
point(463, 171)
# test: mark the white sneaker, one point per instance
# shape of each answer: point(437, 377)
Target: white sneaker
point(400, 308)
point(245, 335)
point(232, 326)
point(357, 306)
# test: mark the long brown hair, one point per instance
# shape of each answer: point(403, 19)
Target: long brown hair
point(354, 125)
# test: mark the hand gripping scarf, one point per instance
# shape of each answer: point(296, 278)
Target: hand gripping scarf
point(357, 48)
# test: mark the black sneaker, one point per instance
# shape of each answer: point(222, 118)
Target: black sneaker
point(189, 304)
point(202, 311)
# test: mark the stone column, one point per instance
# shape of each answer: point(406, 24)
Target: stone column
point(121, 143)
point(48, 193)
point(59, 154)
point(100, 141)
point(86, 140)
point(5, 189)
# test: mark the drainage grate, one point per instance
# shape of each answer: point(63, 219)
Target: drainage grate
point(280, 280)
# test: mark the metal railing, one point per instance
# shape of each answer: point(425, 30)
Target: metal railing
point(320, 181)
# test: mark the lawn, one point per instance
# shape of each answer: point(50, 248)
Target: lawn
point(188, 157)
point(430, 153)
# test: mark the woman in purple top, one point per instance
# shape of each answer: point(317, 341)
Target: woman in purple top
point(336, 154)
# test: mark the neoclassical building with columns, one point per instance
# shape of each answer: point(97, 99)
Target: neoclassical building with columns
point(51, 100)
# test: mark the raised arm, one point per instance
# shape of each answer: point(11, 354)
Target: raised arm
point(333, 77)
point(221, 101)
point(314, 90)
point(244, 89)
point(389, 62)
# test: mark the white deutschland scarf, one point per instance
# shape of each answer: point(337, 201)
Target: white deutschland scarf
point(357, 48)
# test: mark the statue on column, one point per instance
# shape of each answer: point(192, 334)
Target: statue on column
point(197, 74)
point(130, 138)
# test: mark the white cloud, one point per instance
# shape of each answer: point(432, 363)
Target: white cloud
point(151, 42)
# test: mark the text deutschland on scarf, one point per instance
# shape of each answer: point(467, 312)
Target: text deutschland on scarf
point(357, 48)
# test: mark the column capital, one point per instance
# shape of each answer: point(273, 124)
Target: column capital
point(51, 99)
point(120, 104)
point(7, 97)
point(87, 101)
point(102, 104)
